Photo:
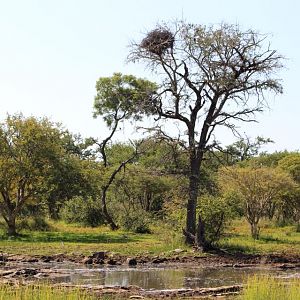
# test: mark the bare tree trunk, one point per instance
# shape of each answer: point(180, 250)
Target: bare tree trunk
point(200, 234)
point(105, 212)
point(192, 203)
point(11, 225)
point(9, 213)
point(255, 230)
point(191, 209)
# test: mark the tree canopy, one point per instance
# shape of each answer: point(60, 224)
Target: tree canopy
point(29, 149)
point(258, 187)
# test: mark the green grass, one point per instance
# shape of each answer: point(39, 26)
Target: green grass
point(69, 239)
point(268, 288)
point(273, 239)
point(74, 239)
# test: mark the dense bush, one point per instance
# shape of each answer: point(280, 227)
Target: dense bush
point(37, 223)
point(137, 221)
point(215, 212)
point(85, 211)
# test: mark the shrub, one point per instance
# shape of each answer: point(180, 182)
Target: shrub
point(137, 221)
point(85, 211)
point(215, 213)
point(35, 223)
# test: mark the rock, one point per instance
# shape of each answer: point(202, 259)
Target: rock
point(3, 258)
point(193, 293)
point(287, 266)
point(112, 262)
point(32, 260)
point(6, 273)
point(131, 261)
point(98, 261)
point(46, 259)
point(159, 260)
point(59, 259)
point(87, 261)
point(179, 251)
point(243, 265)
point(99, 255)
point(26, 272)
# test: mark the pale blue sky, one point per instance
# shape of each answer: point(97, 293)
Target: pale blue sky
point(53, 51)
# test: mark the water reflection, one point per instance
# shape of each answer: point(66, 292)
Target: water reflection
point(163, 278)
point(159, 277)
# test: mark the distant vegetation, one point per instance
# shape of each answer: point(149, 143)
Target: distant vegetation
point(47, 173)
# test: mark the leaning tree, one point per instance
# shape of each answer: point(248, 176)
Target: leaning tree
point(208, 77)
point(119, 98)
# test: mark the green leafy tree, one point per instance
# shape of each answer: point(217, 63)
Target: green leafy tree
point(209, 77)
point(142, 189)
point(266, 159)
point(119, 98)
point(216, 212)
point(244, 148)
point(71, 177)
point(291, 164)
point(257, 187)
point(29, 148)
point(290, 206)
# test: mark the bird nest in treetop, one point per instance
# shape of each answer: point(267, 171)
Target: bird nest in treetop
point(158, 41)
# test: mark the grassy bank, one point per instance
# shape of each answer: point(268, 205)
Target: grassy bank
point(43, 292)
point(273, 239)
point(256, 288)
point(68, 239)
point(268, 288)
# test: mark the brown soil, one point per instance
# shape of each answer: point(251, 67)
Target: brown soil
point(210, 259)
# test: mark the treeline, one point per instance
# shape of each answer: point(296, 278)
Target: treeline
point(48, 172)
point(207, 77)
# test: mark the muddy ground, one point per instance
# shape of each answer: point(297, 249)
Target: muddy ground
point(11, 271)
point(209, 259)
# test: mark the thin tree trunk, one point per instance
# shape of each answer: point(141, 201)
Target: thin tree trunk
point(105, 212)
point(254, 230)
point(11, 226)
point(200, 234)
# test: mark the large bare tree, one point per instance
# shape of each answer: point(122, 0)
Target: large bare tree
point(209, 77)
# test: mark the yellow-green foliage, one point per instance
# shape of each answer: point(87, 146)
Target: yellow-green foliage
point(269, 288)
